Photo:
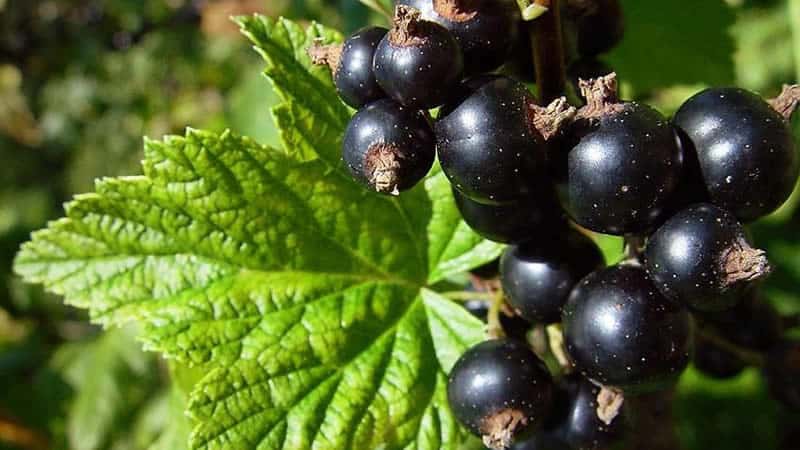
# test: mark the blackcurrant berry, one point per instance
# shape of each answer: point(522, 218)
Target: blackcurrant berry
point(745, 149)
point(389, 147)
point(538, 275)
point(418, 62)
point(715, 361)
point(701, 257)
point(583, 429)
point(485, 29)
point(620, 331)
point(597, 25)
point(783, 373)
point(512, 222)
point(487, 143)
point(351, 65)
point(623, 163)
point(500, 390)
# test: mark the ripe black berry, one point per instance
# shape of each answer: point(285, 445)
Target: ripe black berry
point(487, 142)
point(583, 429)
point(745, 149)
point(715, 361)
point(538, 275)
point(623, 163)
point(417, 62)
point(783, 373)
point(620, 331)
point(485, 29)
point(515, 221)
point(388, 147)
point(701, 257)
point(351, 64)
point(500, 390)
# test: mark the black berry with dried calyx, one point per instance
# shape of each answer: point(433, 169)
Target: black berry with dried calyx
point(351, 66)
point(701, 257)
point(621, 162)
point(500, 390)
point(485, 29)
point(418, 62)
point(389, 147)
point(491, 138)
point(744, 146)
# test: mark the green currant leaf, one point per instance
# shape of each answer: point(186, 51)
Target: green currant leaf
point(301, 295)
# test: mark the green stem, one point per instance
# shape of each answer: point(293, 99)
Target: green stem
point(794, 20)
point(494, 329)
point(465, 296)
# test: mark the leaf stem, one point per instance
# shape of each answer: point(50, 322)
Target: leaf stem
point(494, 329)
point(465, 296)
point(548, 51)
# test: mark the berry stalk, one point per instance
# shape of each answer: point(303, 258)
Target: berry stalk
point(548, 52)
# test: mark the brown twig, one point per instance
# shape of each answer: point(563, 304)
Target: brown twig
point(548, 52)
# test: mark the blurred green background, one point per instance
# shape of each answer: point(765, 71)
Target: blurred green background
point(81, 81)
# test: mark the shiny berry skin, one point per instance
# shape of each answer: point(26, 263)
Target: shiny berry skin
point(418, 62)
point(496, 381)
point(745, 148)
point(620, 331)
point(485, 29)
point(715, 361)
point(388, 147)
point(512, 222)
point(701, 257)
point(354, 79)
point(582, 429)
point(621, 170)
point(783, 374)
point(538, 275)
point(487, 145)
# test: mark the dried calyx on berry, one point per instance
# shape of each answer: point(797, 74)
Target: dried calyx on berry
point(491, 138)
point(485, 29)
point(351, 65)
point(620, 162)
point(389, 147)
point(417, 62)
point(501, 391)
point(701, 257)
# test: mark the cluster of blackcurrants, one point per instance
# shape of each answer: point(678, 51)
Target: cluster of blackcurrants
point(537, 177)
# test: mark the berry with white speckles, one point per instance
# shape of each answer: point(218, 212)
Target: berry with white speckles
point(620, 331)
point(418, 62)
point(745, 148)
point(500, 390)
